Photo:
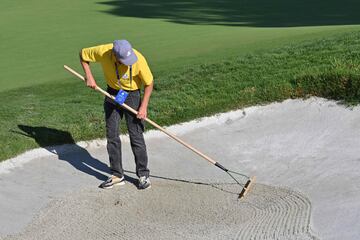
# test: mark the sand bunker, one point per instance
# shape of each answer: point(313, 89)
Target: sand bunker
point(174, 210)
point(295, 146)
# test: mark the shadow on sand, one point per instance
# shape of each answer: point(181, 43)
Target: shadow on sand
point(81, 159)
point(51, 140)
point(227, 187)
point(78, 157)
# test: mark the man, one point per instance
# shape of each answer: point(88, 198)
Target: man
point(124, 68)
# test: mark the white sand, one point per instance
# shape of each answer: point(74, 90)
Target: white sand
point(305, 155)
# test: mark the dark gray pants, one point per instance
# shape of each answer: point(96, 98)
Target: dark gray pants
point(113, 114)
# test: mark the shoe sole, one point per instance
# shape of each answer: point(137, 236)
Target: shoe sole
point(144, 188)
point(115, 184)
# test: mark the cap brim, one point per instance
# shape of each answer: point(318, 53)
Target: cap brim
point(129, 60)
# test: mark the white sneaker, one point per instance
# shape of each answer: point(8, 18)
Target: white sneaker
point(144, 183)
point(113, 181)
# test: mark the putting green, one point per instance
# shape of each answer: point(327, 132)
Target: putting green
point(38, 37)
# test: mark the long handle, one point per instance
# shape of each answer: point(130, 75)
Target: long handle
point(152, 123)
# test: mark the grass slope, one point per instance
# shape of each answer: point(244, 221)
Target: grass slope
point(56, 113)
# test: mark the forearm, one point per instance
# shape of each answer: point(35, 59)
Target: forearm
point(89, 79)
point(86, 67)
point(142, 112)
point(147, 93)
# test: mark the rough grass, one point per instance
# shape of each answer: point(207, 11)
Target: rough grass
point(65, 113)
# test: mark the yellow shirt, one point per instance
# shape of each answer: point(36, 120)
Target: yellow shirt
point(103, 54)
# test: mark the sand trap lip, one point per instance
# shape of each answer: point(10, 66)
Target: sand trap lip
point(174, 210)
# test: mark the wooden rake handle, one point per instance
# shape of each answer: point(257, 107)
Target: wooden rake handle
point(151, 122)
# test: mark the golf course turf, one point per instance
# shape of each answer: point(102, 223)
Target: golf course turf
point(206, 58)
point(290, 69)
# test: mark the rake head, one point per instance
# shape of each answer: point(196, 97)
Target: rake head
point(245, 188)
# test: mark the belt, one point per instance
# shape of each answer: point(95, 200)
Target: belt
point(113, 91)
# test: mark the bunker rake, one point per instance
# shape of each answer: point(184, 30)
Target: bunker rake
point(244, 187)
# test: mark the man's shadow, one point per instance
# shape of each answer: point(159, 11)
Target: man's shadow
point(50, 139)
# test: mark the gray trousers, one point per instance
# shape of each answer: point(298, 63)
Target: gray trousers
point(113, 114)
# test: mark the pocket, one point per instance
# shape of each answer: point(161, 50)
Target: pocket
point(141, 126)
point(108, 100)
point(133, 100)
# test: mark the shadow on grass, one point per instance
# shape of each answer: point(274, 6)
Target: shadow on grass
point(254, 13)
point(75, 155)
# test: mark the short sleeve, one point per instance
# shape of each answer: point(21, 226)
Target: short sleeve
point(91, 54)
point(145, 73)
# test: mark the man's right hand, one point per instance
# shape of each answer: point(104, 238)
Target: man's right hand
point(89, 79)
point(90, 82)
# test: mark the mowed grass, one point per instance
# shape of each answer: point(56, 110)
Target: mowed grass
point(197, 50)
point(38, 37)
point(67, 112)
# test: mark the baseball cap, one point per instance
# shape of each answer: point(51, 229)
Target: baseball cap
point(124, 52)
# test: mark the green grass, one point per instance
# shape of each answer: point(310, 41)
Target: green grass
point(38, 37)
point(66, 112)
point(207, 57)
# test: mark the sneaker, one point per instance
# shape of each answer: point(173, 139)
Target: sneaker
point(144, 183)
point(113, 181)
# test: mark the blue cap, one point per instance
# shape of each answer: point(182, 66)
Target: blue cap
point(124, 52)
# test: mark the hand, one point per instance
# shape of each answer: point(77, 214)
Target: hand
point(90, 82)
point(142, 112)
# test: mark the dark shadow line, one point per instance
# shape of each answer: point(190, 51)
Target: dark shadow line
point(214, 185)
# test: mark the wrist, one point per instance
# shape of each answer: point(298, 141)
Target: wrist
point(144, 104)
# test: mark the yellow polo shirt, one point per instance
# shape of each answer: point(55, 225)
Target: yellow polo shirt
point(103, 54)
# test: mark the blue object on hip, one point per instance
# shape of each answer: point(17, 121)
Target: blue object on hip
point(121, 97)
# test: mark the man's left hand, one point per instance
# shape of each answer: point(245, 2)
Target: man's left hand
point(142, 113)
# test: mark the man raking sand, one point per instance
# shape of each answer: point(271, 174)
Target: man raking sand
point(118, 61)
point(124, 68)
